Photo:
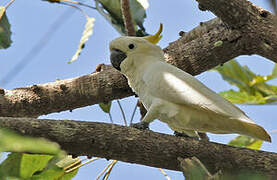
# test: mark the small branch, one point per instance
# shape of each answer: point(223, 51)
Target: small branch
point(6, 7)
point(127, 18)
point(149, 148)
point(257, 26)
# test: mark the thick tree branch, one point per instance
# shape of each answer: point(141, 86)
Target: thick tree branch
point(149, 148)
point(208, 45)
point(257, 26)
point(102, 86)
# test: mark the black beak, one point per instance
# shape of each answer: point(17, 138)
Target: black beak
point(116, 58)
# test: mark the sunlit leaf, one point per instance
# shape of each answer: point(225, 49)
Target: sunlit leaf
point(12, 142)
point(22, 165)
point(105, 106)
point(239, 97)
point(246, 141)
point(5, 32)
point(86, 34)
point(253, 88)
point(56, 169)
point(235, 74)
point(261, 79)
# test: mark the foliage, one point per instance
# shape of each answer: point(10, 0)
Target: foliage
point(5, 32)
point(12, 142)
point(85, 37)
point(245, 141)
point(114, 15)
point(253, 88)
point(49, 162)
point(34, 166)
point(106, 106)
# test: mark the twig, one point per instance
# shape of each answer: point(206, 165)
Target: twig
point(111, 119)
point(81, 10)
point(71, 1)
point(103, 171)
point(76, 167)
point(133, 114)
point(79, 3)
point(6, 7)
point(164, 173)
point(106, 176)
point(142, 109)
point(122, 112)
point(127, 18)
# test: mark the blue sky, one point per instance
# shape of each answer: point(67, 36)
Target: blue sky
point(30, 20)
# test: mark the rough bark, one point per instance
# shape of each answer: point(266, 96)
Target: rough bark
point(257, 26)
point(149, 148)
point(61, 95)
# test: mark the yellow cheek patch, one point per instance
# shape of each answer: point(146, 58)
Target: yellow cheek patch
point(156, 37)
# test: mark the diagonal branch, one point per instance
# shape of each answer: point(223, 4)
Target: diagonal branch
point(257, 26)
point(149, 148)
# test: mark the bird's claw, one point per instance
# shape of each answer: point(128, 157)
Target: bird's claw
point(179, 134)
point(141, 125)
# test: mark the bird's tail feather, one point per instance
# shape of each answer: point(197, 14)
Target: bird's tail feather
point(256, 131)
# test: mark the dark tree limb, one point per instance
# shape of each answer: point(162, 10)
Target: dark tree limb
point(149, 148)
point(258, 27)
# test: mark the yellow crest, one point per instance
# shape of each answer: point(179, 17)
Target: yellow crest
point(156, 37)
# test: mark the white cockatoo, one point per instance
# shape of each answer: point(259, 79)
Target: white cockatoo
point(174, 96)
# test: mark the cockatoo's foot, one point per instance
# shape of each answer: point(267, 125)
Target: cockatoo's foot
point(178, 134)
point(203, 136)
point(141, 125)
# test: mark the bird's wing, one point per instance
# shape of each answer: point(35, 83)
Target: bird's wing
point(174, 85)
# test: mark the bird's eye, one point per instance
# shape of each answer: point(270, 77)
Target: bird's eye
point(131, 46)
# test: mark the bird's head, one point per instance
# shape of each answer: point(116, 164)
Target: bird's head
point(129, 51)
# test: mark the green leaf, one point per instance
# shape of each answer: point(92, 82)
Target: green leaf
point(246, 141)
point(274, 72)
point(54, 172)
point(12, 142)
point(236, 75)
point(106, 107)
point(11, 166)
point(261, 79)
point(58, 169)
point(5, 32)
point(22, 165)
point(30, 163)
point(86, 34)
point(242, 97)
point(253, 88)
point(114, 16)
